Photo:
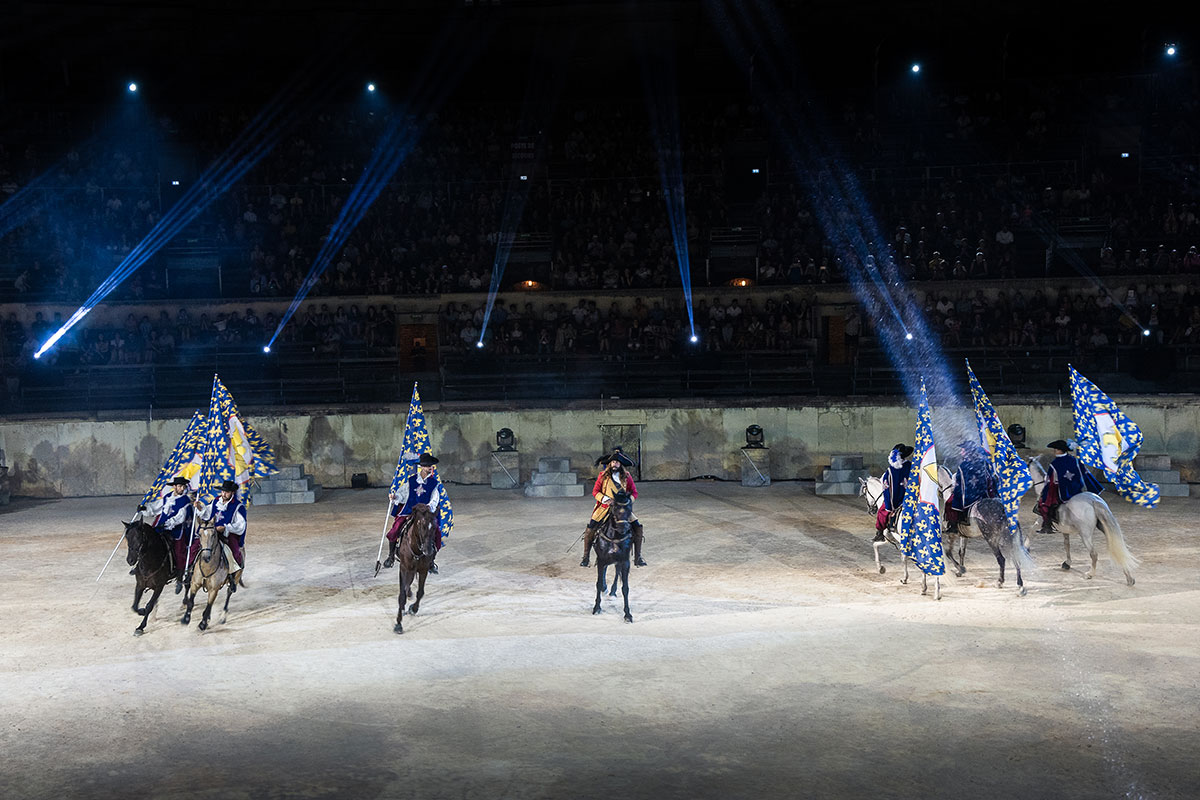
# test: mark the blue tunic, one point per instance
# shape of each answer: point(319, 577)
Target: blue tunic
point(176, 514)
point(1071, 478)
point(417, 491)
point(893, 485)
point(975, 481)
point(233, 517)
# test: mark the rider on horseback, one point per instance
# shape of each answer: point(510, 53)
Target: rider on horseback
point(421, 487)
point(893, 480)
point(174, 512)
point(1065, 479)
point(975, 480)
point(228, 515)
point(612, 479)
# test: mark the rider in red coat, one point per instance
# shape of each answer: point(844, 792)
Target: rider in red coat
point(613, 478)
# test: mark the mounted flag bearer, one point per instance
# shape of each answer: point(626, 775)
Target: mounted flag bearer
point(974, 481)
point(174, 518)
point(899, 467)
point(420, 488)
point(1065, 479)
point(228, 514)
point(613, 478)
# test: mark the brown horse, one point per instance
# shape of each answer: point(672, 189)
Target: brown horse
point(210, 573)
point(415, 550)
point(149, 553)
point(614, 538)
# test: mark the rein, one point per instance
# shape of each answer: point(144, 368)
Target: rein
point(871, 501)
point(201, 560)
point(407, 533)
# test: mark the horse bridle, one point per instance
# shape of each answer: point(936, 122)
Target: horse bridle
point(203, 550)
point(404, 536)
point(866, 492)
point(142, 539)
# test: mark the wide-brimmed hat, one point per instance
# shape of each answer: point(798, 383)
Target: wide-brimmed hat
point(426, 460)
point(228, 486)
point(179, 480)
point(905, 450)
point(616, 455)
point(1059, 444)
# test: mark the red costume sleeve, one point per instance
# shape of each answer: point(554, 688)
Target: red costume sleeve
point(630, 487)
point(599, 485)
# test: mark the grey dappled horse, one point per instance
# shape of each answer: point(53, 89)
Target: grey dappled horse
point(989, 521)
point(1083, 515)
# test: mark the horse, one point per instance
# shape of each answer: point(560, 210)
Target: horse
point(612, 544)
point(210, 572)
point(416, 549)
point(871, 489)
point(149, 553)
point(1083, 515)
point(987, 519)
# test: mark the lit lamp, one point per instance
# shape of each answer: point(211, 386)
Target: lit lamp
point(505, 440)
point(754, 436)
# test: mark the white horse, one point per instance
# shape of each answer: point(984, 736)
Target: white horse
point(871, 489)
point(989, 521)
point(1083, 515)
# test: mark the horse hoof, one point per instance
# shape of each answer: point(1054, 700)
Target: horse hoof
point(596, 610)
point(1088, 576)
point(999, 584)
point(629, 618)
point(185, 620)
point(412, 609)
point(1022, 591)
point(1066, 565)
point(138, 632)
point(882, 569)
point(203, 626)
point(1129, 580)
point(904, 580)
point(398, 629)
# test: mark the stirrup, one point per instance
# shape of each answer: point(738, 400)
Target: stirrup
point(433, 570)
point(585, 562)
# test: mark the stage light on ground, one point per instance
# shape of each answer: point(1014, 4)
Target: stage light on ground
point(916, 68)
point(132, 88)
point(1171, 50)
point(266, 348)
point(755, 436)
point(370, 87)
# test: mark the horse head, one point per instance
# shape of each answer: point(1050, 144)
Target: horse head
point(422, 527)
point(206, 533)
point(133, 541)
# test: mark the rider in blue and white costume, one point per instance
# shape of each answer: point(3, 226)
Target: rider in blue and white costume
point(174, 513)
point(893, 480)
point(421, 487)
point(1065, 478)
point(975, 480)
point(229, 515)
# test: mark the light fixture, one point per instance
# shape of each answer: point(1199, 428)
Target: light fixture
point(370, 87)
point(132, 88)
point(1016, 432)
point(916, 68)
point(505, 440)
point(754, 436)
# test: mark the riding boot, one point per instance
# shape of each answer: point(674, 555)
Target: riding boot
point(638, 561)
point(879, 537)
point(391, 559)
point(133, 571)
point(589, 536)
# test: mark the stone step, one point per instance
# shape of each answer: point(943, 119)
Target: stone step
point(554, 490)
point(844, 475)
point(289, 472)
point(837, 487)
point(284, 484)
point(1160, 476)
point(1174, 489)
point(554, 464)
point(846, 461)
point(1151, 461)
point(555, 478)
point(286, 498)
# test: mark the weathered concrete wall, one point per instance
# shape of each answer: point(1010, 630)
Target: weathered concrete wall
point(69, 458)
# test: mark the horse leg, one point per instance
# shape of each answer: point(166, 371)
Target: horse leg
point(878, 565)
point(212, 598)
point(146, 615)
point(138, 588)
point(612, 589)
point(225, 610)
point(405, 583)
point(904, 559)
point(962, 556)
point(1067, 548)
point(416, 606)
point(1021, 590)
point(623, 569)
point(1000, 561)
point(937, 587)
point(600, 568)
point(1090, 543)
point(189, 600)
point(924, 583)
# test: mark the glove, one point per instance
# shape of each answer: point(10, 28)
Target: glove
point(605, 500)
point(141, 508)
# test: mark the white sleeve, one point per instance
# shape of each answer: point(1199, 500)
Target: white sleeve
point(435, 497)
point(401, 498)
point(155, 507)
point(179, 517)
point(237, 525)
point(207, 511)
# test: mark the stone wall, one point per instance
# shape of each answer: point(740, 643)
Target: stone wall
point(72, 458)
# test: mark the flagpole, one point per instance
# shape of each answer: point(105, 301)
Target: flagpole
point(382, 538)
point(399, 466)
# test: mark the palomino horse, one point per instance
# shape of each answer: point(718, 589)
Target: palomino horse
point(987, 520)
point(871, 489)
point(416, 549)
point(1083, 515)
point(613, 540)
point(149, 553)
point(210, 573)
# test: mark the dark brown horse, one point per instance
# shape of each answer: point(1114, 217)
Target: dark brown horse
point(210, 573)
point(614, 538)
point(149, 553)
point(415, 550)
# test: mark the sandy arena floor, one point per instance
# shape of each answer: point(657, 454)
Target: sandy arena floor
point(768, 659)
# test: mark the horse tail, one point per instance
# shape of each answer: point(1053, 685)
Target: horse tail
point(1108, 525)
point(1021, 550)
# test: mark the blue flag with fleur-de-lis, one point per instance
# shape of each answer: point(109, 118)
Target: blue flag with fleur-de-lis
point(1107, 439)
point(1011, 470)
point(416, 442)
point(920, 524)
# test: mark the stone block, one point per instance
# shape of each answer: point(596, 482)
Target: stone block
point(1151, 461)
point(554, 465)
point(555, 478)
point(756, 466)
point(553, 490)
point(837, 487)
point(846, 461)
point(1160, 476)
point(844, 475)
point(1174, 489)
point(274, 484)
point(289, 472)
